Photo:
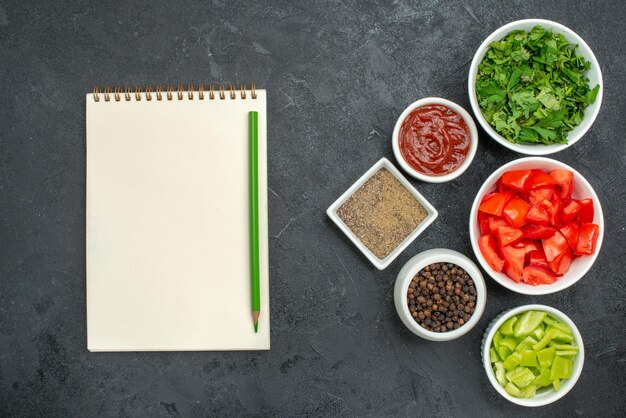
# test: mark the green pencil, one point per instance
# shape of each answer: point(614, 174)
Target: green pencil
point(253, 121)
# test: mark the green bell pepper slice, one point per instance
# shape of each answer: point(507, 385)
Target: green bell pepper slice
point(538, 332)
point(560, 336)
point(545, 340)
point(561, 368)
point(529, 391)
point(509, 343)
point(512, 361)
point(513, 390)
point(563, 346)
point(504, 352)
point(496, 340)
point(493, 355)
point(507, 327)
point(566, 353)
point(526, 344)
point(529, 358)
point(527, 323)
point(543, 379)
point(520, 376)
point(546, 356)
point(555, 323)
point(500, 373)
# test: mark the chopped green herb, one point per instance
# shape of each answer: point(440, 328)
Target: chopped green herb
point(532, 88)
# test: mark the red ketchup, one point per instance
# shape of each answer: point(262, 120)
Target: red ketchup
point(434, 140)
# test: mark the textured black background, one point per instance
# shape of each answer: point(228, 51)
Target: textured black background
point(338, 75)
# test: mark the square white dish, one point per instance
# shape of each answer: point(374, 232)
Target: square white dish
point(430, 217)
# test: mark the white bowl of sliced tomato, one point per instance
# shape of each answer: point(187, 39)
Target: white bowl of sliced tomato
point(536, 226)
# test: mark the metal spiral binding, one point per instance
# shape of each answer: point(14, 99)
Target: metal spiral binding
point(118, 93)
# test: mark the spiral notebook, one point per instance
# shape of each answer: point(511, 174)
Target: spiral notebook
point(168, 246)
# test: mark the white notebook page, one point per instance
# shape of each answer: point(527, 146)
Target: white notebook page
point(168, 262)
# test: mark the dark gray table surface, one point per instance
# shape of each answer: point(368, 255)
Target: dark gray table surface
point(338, 75)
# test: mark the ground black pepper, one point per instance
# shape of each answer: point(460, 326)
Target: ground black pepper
point(382, 213)
point(441, 297)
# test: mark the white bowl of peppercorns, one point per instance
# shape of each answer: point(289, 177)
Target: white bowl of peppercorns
point(440, 294)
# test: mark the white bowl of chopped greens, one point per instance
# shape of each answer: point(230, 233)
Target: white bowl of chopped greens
point(535, 86)
point(533, 354)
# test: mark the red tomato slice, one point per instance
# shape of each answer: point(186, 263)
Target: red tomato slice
point(513, 256)
point(501, 187)
point(554, 246)
point(587, 239)
point(554, 212)
point(507, 235)
point(487, 245)
point(535, 275)
point(539, 179)
point(495, 223)
point(515, 212)
point(541, 197)
point(570, 232)
point(570, 211)
point(487, 196)
point(565, 179)
point(483, 223)
point(538, 231)
point(537, 215)
point(586, 213)
point(538, 259)
point(561, 264)
point(531, 245)
point(515, 179)
point(494, 204)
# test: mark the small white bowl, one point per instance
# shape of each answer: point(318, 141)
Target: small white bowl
point(418, 262)
point(582, 189)
point(547, 395)
point(395, 140)
point(594, 75)
point(430, 217)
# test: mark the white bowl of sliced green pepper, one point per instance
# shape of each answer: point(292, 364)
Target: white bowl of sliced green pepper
point(533, 354)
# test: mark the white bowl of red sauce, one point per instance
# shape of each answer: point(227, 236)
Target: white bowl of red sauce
point(435, 140)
